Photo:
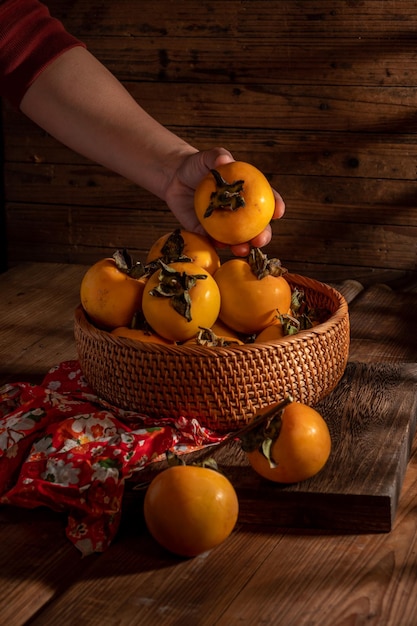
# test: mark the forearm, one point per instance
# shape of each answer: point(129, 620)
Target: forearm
point(80, 103)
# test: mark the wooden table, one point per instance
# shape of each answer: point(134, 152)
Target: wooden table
point(260, 575)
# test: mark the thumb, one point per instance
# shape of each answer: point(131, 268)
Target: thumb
point(215, 157)
point(200, 163)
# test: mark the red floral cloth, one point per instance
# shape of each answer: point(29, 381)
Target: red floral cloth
point(63, 447)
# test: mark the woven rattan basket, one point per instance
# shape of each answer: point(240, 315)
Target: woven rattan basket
point(221, 387)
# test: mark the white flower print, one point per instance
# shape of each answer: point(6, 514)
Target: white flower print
point(43, 445)
point(59, 472)
point(54, 385)
point(97, 450)
point(94, 428)
point(104, 471)
point(17, 427)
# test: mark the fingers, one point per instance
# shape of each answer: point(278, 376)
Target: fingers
point(259, 241)
point(279, 206)
point(215, 157)
point(241, 249)
point(265, 236)
point(222, 157)
point(198, 164)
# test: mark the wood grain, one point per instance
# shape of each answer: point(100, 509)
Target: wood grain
point(37, 331)
point(379, 312)
point(299, 578)
point(313, 18)
point(33, 549)
point(320, 96)
point(294, 152)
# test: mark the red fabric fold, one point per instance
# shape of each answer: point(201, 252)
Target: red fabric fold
point(63, 447)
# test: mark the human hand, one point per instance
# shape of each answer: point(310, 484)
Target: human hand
point(180, 196)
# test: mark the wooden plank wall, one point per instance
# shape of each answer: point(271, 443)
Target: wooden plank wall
point(320, 95)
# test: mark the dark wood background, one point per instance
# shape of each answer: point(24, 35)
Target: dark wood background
point(320, 95)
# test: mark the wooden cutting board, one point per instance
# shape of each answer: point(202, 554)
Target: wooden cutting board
point(372, 417)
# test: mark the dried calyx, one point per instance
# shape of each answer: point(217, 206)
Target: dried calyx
point(301, 316)
point(171, 251)
point(263, 437)
point(207, 337)
point(227, 196)
point(176, 286)
point(262, 266)
point(126, 264)
point(208, 462)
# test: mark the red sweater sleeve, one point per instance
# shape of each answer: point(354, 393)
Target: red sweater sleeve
point(30, 39)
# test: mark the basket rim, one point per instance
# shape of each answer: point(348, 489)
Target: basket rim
point(193, 349)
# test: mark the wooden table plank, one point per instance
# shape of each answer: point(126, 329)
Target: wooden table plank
point(36, 311)
point(153, 587)
point(313, 579)
point(37, 562)
point(383, 325)
point(298, 578)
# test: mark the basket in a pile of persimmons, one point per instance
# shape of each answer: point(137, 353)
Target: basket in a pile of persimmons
point(183, 293)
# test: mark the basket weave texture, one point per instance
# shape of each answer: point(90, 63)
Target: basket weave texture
point(221, 387)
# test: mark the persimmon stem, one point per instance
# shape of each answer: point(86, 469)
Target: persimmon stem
point(176, 286)
point(227, 196)
point(259, 419)
point(124, 263)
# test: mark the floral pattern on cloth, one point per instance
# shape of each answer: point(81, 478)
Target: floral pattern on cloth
point(63, 447)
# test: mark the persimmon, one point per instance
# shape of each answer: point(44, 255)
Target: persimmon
point(190, 509)
point(181, 245)
point(234, 203)
point(223, 330)
point(111, 290)
point(253, 291)
point(295, 445)
point(207, 337)
point(178, 299)
point(270, 333)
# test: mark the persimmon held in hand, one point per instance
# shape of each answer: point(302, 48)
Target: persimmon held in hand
point(234, 203)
